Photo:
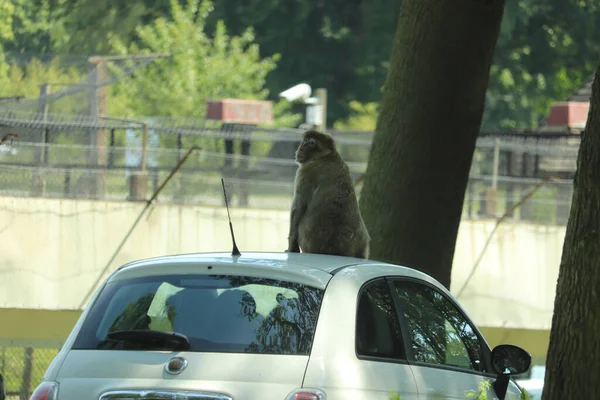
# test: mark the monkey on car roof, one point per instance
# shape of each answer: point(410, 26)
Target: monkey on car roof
point(325, 218)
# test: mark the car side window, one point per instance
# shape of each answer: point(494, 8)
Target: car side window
point(439, 332)
point(377, 327)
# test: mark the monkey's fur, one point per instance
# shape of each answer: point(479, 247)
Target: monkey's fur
point(325, 218)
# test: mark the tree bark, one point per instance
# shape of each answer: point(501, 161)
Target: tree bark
point(574, 353)
point(430, 117)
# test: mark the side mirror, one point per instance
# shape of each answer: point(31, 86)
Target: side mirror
point(508, 360)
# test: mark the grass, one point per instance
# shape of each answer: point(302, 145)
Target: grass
point(12, 360)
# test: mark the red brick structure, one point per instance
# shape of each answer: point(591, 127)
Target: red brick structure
point(236, 111)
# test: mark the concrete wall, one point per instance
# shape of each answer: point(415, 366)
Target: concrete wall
point(52, 251)
point(515, 282)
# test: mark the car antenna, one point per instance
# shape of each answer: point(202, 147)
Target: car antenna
point(235, 251)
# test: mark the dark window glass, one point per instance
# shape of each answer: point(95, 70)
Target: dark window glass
point(439, 332)
point(377, 327)
point(216, 313)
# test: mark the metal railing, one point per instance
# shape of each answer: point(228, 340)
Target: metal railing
point(78, 156)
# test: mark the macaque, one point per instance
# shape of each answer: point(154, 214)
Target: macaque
point(325, 218)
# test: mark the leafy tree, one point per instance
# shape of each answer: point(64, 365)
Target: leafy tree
point(426, 132)
point(16, 81)
point(134, 316)
point(6, 17)
point(574, 350)
point(91, 26)
point(6, 33)
point(32, 23)
point(114, 26)
point(374, 42)
point(341, 45)
point(201, 67)
point(362, 118)
point(545, 50)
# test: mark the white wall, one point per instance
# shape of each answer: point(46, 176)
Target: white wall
point(515, 282)
point(51, 252)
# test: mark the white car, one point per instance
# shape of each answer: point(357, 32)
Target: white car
point(276, 326)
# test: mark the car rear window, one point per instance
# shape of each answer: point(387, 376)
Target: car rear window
point(217, 313)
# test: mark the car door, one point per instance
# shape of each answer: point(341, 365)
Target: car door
point(447, 355)
point(379, 346)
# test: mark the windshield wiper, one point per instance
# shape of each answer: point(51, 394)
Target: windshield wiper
point(169, 340)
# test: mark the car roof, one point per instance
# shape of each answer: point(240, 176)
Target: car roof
point(298, 263)
point(312, 269)
point(290, 261)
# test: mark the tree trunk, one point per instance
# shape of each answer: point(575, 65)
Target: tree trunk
point(574, 353)
point(430, 117)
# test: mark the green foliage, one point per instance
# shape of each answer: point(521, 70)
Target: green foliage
point(201, 67)
point(525, 395)
point(134, 316)
point(31, 23)
point(6, 20)
point(394, 396)
point(17, 81)
point(546, 49)
point(341, 45)
point(12, 361)
point(90, 26)
point(363, 117)
point(481, 393)
point(283, 115)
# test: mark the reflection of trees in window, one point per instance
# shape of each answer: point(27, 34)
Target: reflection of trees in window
point(290, 326)
point(426, 328)
point(377, 327)
point(232, 324)
point(248, 306)
point(439, 333)
point(134, 315)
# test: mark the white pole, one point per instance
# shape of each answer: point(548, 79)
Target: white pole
point(496, 164)
point(322, 96)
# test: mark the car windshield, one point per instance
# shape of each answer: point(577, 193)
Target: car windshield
point(215, 313)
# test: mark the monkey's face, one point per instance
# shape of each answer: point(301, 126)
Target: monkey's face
point(309, 150)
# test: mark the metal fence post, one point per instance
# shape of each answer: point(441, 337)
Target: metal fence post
point(41, 157)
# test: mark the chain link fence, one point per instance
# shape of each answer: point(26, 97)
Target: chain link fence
point(23, 369)
point(506, 167)
point(85, 157)
point(79, 156)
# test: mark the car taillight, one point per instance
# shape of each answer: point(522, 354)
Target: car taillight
point(46, 390)
point(306, 394)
